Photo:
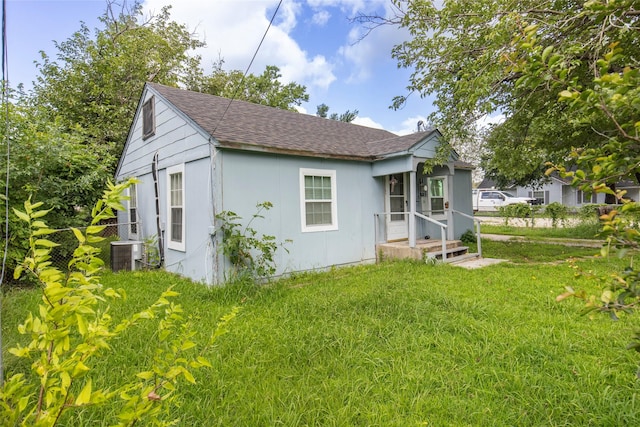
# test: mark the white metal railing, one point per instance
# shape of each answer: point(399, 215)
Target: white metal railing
point(443, 232)
point(443, 228)
point(477, 223)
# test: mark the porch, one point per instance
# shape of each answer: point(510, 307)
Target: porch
point(424, 248)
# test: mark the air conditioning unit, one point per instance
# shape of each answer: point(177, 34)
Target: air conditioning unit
point(124, 255)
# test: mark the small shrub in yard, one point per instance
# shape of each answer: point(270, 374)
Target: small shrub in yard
point(251, 255)
point(72, 328)
point(468, 237)
point(557, 212)
point(517, 210)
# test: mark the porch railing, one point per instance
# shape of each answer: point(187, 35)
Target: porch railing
point(443, 232)
point(477, 223)
point(443, 228)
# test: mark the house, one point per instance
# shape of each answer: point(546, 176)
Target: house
point(555, 189)
point(337, 189)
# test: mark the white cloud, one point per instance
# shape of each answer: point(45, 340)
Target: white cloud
point(410, 125)
point(365, 49)
point(233, 30)
point(368, 122)
point(287, 15)
point(321, 18)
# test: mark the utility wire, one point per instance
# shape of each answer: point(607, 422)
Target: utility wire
point(5, 101)
point(235, 93)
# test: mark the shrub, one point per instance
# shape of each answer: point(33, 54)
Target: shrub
point(72, 328)
point(517, 210)
point(251, 255)
point(468, 237)
point(557, 212)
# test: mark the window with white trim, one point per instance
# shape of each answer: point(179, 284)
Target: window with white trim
point(318, 200)
point(175, 208)
point(133, 211)
point(149, 118)
point(541, 196)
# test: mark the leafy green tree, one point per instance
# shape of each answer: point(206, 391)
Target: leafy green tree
point(264, 89)
point(93, 86)
point(469, 55)
point(348, 116)
point(48, 163)
point(566, 76)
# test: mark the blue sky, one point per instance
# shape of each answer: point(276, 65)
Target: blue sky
point(312, 42)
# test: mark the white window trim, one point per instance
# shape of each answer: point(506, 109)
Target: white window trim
point(334, 201)
point(178, 246)
point(133, 190)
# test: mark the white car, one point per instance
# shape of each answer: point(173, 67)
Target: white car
point(491, 200)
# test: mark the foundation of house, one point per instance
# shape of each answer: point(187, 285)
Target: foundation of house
point(424, 249)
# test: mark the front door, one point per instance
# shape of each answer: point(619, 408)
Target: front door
point(437, 197)
point(396, 201)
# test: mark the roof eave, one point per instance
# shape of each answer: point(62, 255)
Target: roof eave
point(289, 152)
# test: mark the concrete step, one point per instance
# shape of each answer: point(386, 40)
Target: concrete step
point(462, 258)
point(450, 253)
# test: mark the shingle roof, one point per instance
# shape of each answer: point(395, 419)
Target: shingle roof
point(247, 125)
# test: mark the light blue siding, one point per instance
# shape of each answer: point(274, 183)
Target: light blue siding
point(218, 179)
point(251, 178)
point(176, 138)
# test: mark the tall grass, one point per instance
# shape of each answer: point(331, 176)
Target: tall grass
point(393, 344)
point(579, 231)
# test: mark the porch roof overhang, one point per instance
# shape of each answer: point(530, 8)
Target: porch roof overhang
point(408, 162)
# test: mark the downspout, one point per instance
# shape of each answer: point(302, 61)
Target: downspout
point(154, 171)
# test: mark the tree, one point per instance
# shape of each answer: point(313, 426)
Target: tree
point(348, 116)
point(265, 89)
point(94, 85)
point(468, 55)
point(566, 75)
point(51, 164)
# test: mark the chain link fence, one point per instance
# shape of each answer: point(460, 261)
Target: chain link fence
point(116, 254)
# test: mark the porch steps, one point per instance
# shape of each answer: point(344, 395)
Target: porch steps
point(424, 249)
point(462, 258)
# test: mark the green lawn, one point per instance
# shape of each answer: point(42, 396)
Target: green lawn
point(580, 231)
point(394, 344)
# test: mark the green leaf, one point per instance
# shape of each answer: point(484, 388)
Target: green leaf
point(82, 324)
point(85, 395)
point(78, 235)
point(46, 243)
point(546, 52)
point(21, 215)
point(566, 94)
point(40, 214)
point(80, 369)
point(146, 375)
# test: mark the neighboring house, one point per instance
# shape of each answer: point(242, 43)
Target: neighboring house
point(337, 188)
point(555, 189)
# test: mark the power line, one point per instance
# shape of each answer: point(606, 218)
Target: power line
point(5, 100)
point(273, 17)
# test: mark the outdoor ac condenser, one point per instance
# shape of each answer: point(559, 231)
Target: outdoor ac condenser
point(124, 255)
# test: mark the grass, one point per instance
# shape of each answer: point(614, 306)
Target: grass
point(531, 252)
point(393, 344)
point(580, 231)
